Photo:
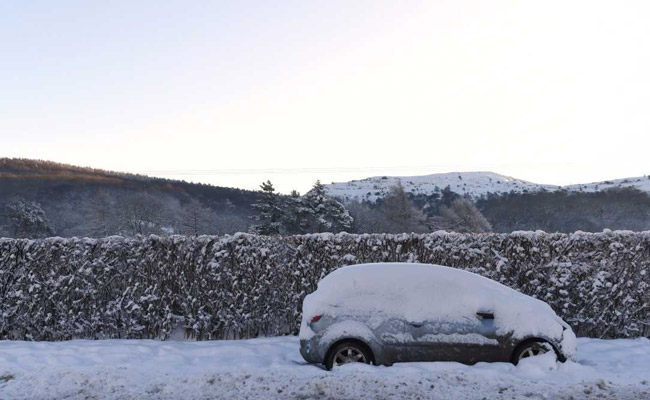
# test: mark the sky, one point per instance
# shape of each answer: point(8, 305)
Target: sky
point(235, 93)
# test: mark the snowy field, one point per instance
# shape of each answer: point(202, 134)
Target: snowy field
point(272, 368)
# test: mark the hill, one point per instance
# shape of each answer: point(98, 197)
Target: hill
point(65, 200)
point(79, 201)
point(511, 204)
point(474, 185)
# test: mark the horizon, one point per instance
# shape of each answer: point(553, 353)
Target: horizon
point(234, 94)
point(169, 176)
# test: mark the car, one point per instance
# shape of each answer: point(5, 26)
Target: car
point(385, 313)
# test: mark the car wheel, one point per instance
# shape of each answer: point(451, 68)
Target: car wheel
point(347, 352)
point(530, 349)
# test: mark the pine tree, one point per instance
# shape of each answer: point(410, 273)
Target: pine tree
point(325, 213)
point(295, 216)
point(270, 212)
point(27, 219)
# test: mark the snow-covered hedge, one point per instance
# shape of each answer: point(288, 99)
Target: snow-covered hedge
point(246, 285)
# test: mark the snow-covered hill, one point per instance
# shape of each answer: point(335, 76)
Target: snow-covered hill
point(642, 183)
point(474, 184)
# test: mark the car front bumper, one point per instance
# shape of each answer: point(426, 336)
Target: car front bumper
point(568, 346)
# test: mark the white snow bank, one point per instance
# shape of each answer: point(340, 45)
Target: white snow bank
point(272, 368)
point(420, 292)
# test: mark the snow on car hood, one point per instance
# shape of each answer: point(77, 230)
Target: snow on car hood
point(420, 292)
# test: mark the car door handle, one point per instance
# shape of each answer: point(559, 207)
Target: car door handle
point(485, 315)
point(416, 324)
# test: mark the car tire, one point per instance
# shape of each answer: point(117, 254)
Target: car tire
point(531, 349)
point(347, 352)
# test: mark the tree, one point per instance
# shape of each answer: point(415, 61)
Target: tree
point(324, 213)
point(270, 212)
point(27, 219)
point(295, 216)
point(196, 219)
point(402, 214)
point(101, 221)
point(142, 214)
point(368, 218)
point(462, 216)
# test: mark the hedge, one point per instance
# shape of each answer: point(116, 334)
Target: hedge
point(246, 285)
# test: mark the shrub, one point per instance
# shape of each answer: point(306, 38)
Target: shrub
point(246, 285)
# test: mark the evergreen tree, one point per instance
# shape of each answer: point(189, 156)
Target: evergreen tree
point(448, 196)
point(325, 213)
point(295, 217)
point(270, 211)
point(27, 220)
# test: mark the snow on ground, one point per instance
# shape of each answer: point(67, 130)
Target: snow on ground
point(272, 368)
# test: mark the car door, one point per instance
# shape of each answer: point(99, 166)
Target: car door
point(464, 339)
point(391, 333)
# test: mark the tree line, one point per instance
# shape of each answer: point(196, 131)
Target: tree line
point(102, 212)
point(40, 199)
point(397, 212)
point(564, 211)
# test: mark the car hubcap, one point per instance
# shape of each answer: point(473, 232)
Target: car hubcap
point(349, 355)
point(532, 351)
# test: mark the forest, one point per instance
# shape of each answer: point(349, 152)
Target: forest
point(41, 199)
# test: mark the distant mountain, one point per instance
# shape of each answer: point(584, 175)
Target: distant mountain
point(511, 204)
point(472, 184)
point(641, 183)
point(79, 201)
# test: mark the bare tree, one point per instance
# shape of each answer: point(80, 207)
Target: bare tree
point(402, 214)
point(102, 221)
point(230, 223)
point(141, 214)
point(368, 218)
point(197, 219)
point(463, 216)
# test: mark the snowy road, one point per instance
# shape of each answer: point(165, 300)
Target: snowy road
point(272, 368)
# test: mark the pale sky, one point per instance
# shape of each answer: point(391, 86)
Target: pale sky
point(234, 93)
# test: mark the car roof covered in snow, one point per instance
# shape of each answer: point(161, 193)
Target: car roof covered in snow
point(390, 277)
point(420, 292)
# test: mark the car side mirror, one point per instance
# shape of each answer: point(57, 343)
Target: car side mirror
point(485, 314)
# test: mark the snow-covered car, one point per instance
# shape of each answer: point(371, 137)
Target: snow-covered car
point(397, 312)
